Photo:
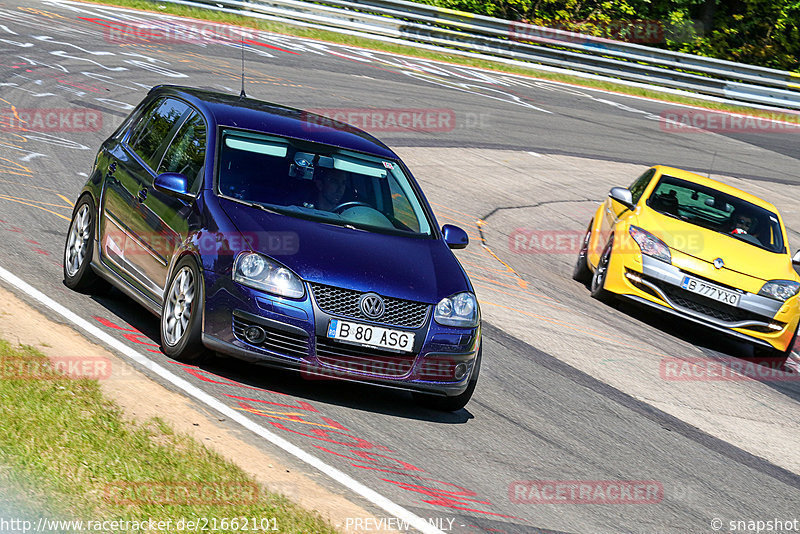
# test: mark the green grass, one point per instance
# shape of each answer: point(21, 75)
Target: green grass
point(364, 42)
point(68, 448)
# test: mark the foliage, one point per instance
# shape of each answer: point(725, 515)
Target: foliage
point(759, 32)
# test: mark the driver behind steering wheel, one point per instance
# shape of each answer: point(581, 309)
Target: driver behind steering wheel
point(331, 187)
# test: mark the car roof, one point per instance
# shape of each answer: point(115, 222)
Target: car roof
point(710, 182)
point(251, 114)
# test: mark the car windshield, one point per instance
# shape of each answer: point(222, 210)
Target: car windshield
point(319, 182)
point(717, 211)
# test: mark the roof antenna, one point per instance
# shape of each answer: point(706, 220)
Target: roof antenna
point(242, 94)
point(713, 158)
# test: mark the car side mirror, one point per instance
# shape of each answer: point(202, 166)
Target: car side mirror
point(454, 236)
point(173, 184)
point(623, 196)
point(796, 258)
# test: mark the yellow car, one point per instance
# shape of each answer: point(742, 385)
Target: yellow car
point(700, 249)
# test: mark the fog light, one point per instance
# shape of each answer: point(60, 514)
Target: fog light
point(255, 334)
point(633, 276)
point(460, 371)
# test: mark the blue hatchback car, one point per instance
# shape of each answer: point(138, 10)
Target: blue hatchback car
point(277, 236)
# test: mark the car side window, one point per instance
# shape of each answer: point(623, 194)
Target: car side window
point(186, 154)
point(637, 188)
point(403, 211)
point(155, 129)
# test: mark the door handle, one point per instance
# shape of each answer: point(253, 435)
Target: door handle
point(110, 173)
point(142, 195)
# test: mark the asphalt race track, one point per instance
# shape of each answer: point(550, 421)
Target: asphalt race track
point(570, 389)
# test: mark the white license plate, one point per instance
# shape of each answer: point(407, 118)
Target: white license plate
point(372, 336)
point(710, 290)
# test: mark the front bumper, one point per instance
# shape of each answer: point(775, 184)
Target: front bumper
point(296, 339)
point(756, 319)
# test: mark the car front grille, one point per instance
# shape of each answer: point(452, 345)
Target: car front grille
point(705, 306)
point(287, 343)
point(344, 302)
point(364, 360)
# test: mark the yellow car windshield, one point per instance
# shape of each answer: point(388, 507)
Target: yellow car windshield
point(712, 209)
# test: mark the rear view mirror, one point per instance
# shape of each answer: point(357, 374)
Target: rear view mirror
point(796, 258)
point(173, 184)
point(454, 236)
point(623, 196)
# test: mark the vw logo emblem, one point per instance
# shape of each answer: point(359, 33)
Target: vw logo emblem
point(718, 263)
point(372, 306)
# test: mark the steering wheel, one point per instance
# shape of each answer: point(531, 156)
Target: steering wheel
point(341, 207)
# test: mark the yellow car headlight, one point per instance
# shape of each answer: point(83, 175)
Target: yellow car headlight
point(650, 244)
point(780, 289)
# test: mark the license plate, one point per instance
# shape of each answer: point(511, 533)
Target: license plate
point(371, 336)
point(710, 290)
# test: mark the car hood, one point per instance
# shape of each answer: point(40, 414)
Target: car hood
point(410, 268)
point(708, 245)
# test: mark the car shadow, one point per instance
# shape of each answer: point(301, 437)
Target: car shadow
point(353, 395)
point(716, 346)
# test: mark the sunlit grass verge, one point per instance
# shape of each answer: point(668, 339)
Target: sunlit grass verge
point(334, 37)
point(72, 452)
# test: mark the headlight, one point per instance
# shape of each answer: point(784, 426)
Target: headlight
point(780, 289)
point(256, 271)
point(650, 244)
point(458, 310)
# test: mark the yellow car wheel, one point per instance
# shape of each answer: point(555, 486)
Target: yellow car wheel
point(599, 278)
point(581, 272)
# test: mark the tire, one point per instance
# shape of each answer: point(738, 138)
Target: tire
point(598, 289)
point(79, 247)
point(182, 313)
point(451, 404)
point(581, 272)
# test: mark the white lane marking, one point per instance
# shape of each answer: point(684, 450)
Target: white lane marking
point(193, 391)
point(534, 154)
